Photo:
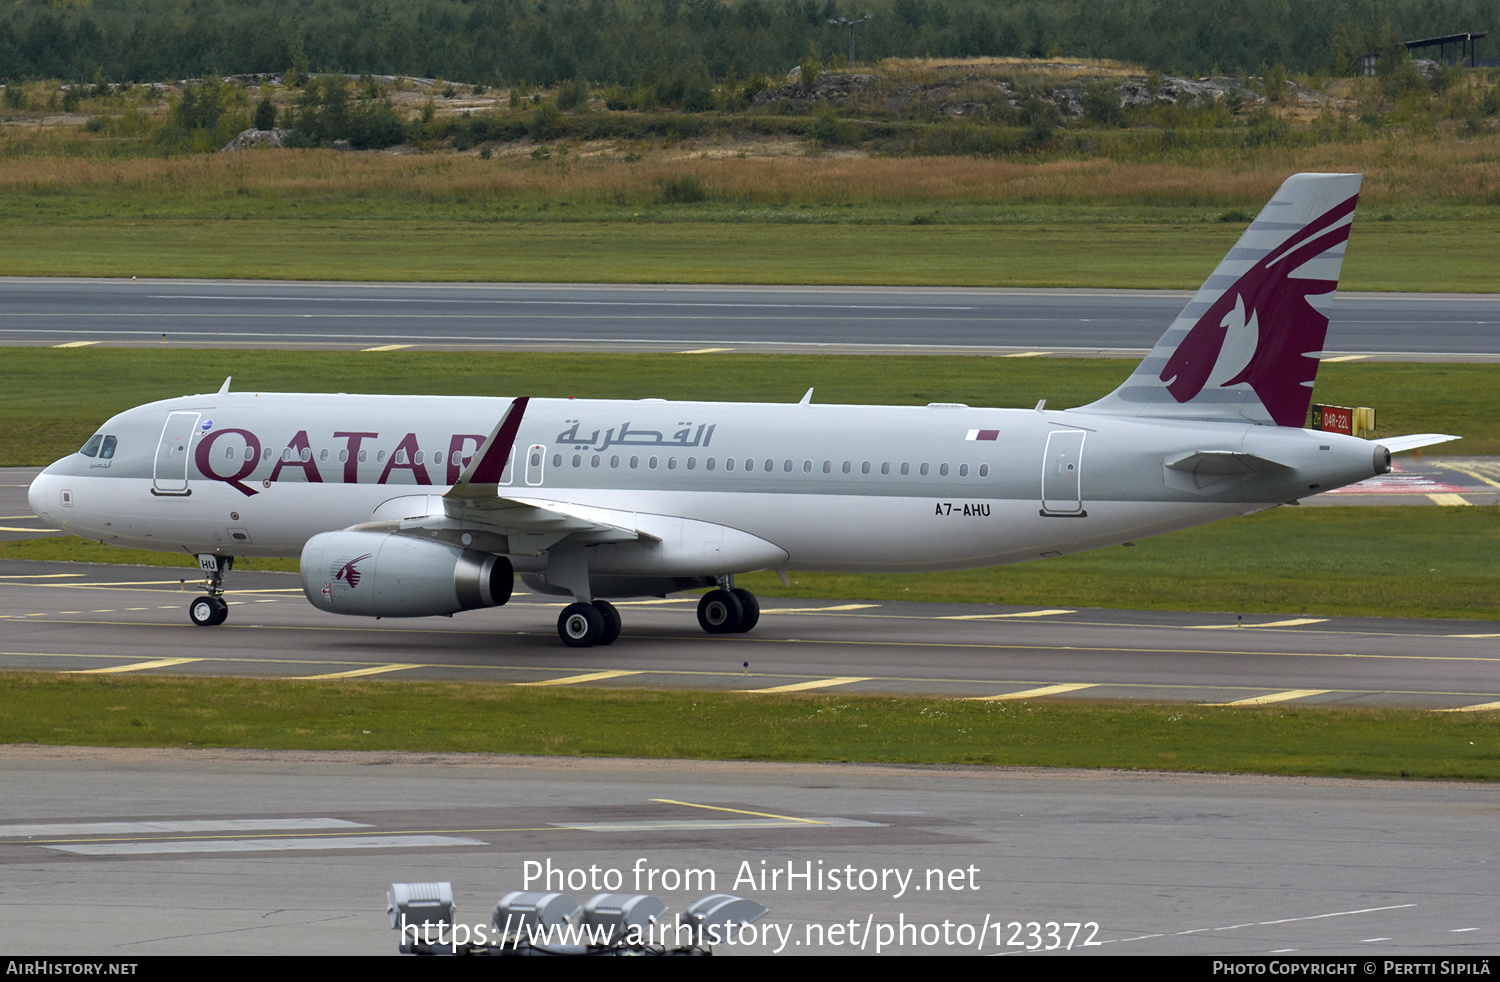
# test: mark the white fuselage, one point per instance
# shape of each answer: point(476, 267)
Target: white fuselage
point(854, 488)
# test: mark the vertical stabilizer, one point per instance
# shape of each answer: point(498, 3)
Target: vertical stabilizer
point(1247, 346)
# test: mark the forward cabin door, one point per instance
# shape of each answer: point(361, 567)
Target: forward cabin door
point(169, 471)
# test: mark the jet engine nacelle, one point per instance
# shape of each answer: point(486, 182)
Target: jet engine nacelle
point(378, 574)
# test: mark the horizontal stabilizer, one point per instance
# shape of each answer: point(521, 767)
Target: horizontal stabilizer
point(1397, 444)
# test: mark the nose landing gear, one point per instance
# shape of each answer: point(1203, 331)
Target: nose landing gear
point(210, 610)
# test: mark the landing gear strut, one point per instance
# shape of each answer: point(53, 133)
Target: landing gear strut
point(210, 610)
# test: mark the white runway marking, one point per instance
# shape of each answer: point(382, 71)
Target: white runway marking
point(264, 845)
point(179, 825)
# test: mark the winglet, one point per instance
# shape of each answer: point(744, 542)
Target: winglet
point(488, 464)
point(225, 387)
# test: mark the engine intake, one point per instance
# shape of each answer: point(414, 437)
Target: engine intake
point(377, 574)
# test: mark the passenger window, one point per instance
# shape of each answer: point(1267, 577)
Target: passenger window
point(228, 453)
point(266, 454)
point(577, 459)
point(692, 462)
point(924, 470)
point(709, 463)
point(344, 455)
point(848, 464)
point(614, 461)
point(865, 467)
point(557, 460)
point(634, 462)
point(307, 454)
point(379, 456)
point(885, 468)
point(91, 449)
point(984, 470)
point(323, 455)
point(594, 461)
point(651, 463)
point(749, 463)
point(905, 468)
point(418, 458)
point(671, 463)
point(364, 455)
point(943, 470)
point(963, 470)
point(729, 463)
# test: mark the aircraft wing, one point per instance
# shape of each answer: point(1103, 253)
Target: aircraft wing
point(475, 515)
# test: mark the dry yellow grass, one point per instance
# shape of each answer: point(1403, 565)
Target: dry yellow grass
point(1407, 172)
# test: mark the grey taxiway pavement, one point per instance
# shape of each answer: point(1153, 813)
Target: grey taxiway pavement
point(125, 853)
point(623, 317)
point(123, 620)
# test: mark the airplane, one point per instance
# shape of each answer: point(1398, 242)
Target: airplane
point(410, 506)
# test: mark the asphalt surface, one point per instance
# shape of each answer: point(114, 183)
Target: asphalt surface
point(122, 854)
point(124, 620)
point(565, 316)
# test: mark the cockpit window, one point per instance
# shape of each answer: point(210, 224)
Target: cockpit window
point(91, 449)
point(108, 450)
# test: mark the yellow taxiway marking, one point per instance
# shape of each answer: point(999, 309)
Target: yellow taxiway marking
point(1472, 635)
point(1274, 697)
point(13, 528)
point(647, 603)
point(139, 666)
point(1330, 361)
point(1480, 708)
point(38, 576)
point(75, 344)
point(1027, 354)
point(372, 670)
point(704, 351)
point(1294, 622)
point(1046, 690)
point(591, 677)
point(388, 347)
point(814, 610)
point(804, 686)
point(1476, 471)
point(995, 617)
point(1447, 499)
point(738, 811)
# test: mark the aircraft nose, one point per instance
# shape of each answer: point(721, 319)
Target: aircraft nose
point(42, 496)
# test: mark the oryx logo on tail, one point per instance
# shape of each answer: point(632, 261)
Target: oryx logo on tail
point(1246, 347)
point(1260, 328)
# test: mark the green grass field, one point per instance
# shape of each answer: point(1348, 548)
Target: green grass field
point(808, 248)
point(1365, 561)
point(466, 717)
point(47, 413)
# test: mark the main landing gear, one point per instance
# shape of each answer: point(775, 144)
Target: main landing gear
point(583, 625)
point(724, 610)
point(728, 611)
point(210, 610)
